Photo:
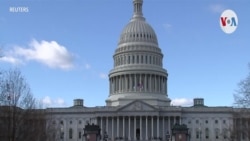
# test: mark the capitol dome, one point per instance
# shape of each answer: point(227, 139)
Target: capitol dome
point(138, 30)
point(138, 73)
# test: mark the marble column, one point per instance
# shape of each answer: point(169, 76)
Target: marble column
point(134, 127)
point(152, 127)
point(150, 83)
point(118, 129)
point(101, 127)
point(141, 128)
point(157, 126)
point(112, 128)
point(169, 127)
point(123, 126)
point(146, 127)
point(107, 125)
point(163, 127)
point(129, 128)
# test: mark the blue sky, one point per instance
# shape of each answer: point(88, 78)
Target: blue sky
point(64, 47)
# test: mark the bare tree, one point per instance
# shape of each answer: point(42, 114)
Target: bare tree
point(242, 96)
point(241, 128)
point(20, 118)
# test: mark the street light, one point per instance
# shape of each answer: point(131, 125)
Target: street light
point(105, 136)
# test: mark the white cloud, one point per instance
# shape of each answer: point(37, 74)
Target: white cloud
point(48, 53)
point(182, 102)
point(59, 101)
point(103, 75)
point(167, 26)
point(10, 59)
point(48, 102)
point(217, 8)
point(87, 66)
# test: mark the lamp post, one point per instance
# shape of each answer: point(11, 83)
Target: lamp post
point(105, 136)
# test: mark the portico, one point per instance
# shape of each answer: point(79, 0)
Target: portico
point(138, 121)
point(137, 127)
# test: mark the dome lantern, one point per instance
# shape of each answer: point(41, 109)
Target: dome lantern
point(138, 10)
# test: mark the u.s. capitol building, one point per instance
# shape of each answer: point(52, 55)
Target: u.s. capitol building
point(138, 106)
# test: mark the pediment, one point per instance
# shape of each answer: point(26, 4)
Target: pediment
point(137, 105)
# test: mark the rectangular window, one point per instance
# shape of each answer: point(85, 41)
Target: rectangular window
point(62, 135)
point(216, 121)
point(79, 134)
point(70, 133)
point(217, 133)
point(197, 135)
point(197, 121)
point(207, 133)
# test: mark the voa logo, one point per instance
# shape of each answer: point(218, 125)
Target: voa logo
point(228, 21)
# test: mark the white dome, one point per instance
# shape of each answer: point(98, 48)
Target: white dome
point(138, 73)
point(138, 30)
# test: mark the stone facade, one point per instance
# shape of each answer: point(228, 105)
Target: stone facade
point(139, 120)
